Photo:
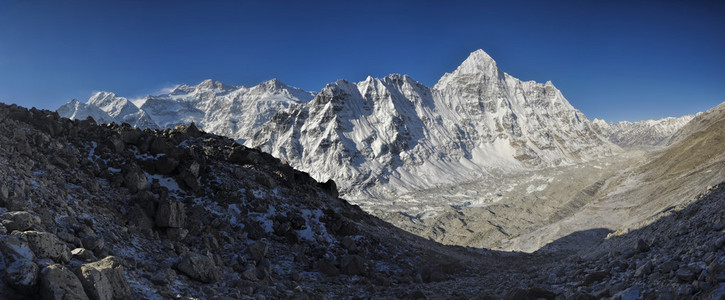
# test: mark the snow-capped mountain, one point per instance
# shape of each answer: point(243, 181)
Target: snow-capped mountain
point(383, 137)
point(642, 134)
point(79, 110)
point(121, 110)
point(393, 135)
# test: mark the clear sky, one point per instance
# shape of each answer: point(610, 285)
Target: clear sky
point(617, 60)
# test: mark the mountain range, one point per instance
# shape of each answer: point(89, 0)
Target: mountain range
point(385, 137)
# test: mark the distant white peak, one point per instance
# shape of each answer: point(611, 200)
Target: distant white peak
point(213, 85)
point(274, 84)
point(477, 63)
point(105, 99)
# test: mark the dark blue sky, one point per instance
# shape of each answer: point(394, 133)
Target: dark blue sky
point(617, 60)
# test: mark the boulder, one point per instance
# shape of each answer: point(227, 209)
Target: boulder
point(131, 136)
point(198, 267)
point(46, 245)
point(327, 268)
point(170, 213)
point(258, 250)
point(19, 220)
point(352, 265)
point(166, 165)
point(22, 275)
point(12, 247)
point(104, 280)
point(134, 179)
point(59, 283)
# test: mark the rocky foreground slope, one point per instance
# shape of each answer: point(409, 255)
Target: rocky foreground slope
point(113, 212)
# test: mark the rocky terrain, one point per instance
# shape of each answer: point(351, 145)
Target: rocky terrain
point(114, 212)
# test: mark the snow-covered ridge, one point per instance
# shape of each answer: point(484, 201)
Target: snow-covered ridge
point(383, 137)
point(642, 134)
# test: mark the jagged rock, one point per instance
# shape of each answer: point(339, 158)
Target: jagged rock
point(92, 243)
point(22, 275)
point(331, 188)
point(161, 145)
point(243, 156)
point(349, 244)
point(166, 165)
point(176, 234)
point(685, 274)
point(170, 213)
point(641, 246)
point(131, 136)
point(198, 267)
point(19, 220)
point(117, 144)
point(645, 269)
point(254, 230)
point(595, 277)
point(192, 130)
point(82, 254)
point(352, 265)
point(59, 283)
point(46, 245)
point(187, 179)
point(327, 268)
point(134, 179)
point(15, 248)
point(258, 250)
point(104, 280)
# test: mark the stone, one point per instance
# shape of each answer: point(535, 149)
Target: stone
point(595, 277)
point(105, 280)
point(131, 136)
point(330, 187)
point(82, 254)
point(46, 245)
point(685, 274)
point(170, 213)
point(352, 265)
point(166, 165)
point(134, 179)
point(92, 243)
point(59, 283)
point(258, 251)
point(176, 234)
point(192, 130)
point(632, 293)
point(641, 246)
point(349, 244)
point(254, 230)
point(645, 269)
point(198, 267)
point(15, 248)
point(22, 275)
point(19, 220)
point(327, 268)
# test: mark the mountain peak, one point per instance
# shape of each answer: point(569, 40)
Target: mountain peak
point(478, 61)
point(210, 84)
